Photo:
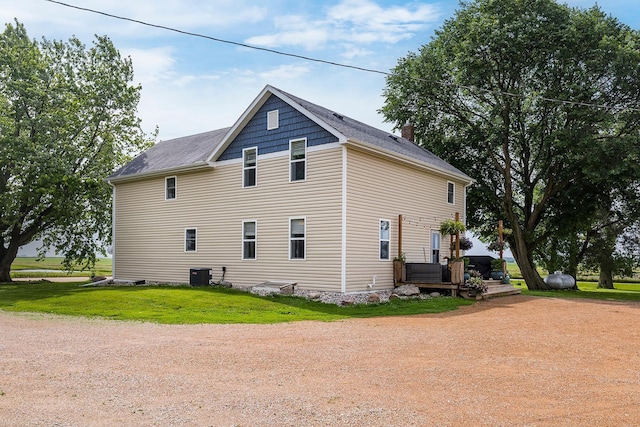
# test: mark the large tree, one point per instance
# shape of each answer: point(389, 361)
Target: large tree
point(539, 102)
point(67, 119)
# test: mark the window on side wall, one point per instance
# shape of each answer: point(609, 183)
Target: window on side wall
point(249, 240)
point(385, 234)
point(249, 167)
point(298, 159)
point(451, 195)
point(435, 247)
point(170, 187)
point(297, 238)
point(190, 239)
point(273, 120)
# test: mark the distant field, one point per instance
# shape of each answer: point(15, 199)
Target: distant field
point(102, 267)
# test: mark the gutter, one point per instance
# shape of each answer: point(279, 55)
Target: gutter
point(160, 172)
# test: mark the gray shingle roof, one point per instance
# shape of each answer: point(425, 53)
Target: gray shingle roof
point(194, 150)
point(173, 154)
point(362, 132)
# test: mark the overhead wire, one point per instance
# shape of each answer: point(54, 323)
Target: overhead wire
point(333, 63)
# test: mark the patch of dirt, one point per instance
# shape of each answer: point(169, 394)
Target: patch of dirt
point(514, 361)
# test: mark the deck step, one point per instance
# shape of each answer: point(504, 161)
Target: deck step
point(500, 290)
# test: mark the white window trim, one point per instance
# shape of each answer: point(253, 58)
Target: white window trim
point(254, 167)
point(304, 239)
point(380, 240)
point(453, 202)
point(433, 247)
point(175, 188)
point(255, 240)
point(273, 119)
point(306, 155)
point(185, 239)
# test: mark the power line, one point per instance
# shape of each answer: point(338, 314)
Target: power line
point(188, 33)
point(337, 64)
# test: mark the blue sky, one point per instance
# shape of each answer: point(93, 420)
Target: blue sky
point(192, 85)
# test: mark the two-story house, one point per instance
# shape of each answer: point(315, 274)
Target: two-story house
point(291, 192)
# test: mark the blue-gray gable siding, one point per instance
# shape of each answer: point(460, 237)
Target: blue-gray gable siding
point(292, 125)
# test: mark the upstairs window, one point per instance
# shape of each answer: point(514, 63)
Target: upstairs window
point(384, 239)
point(249, 167)
point(451, 188)
point(249, 240)
point(298, 160)
point(273, 120)
point(190, 238)
point(170, 188)
point(297, 238)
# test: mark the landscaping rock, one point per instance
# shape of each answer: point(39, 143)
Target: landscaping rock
point(373, 298)
point(407, 291)
point(314, 295)
point(98, 278)
point(434, 294)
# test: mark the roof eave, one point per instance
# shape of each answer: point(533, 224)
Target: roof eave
point(410, 160)
point(160, 172)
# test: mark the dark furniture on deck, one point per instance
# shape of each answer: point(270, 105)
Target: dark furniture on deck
point(429, 276)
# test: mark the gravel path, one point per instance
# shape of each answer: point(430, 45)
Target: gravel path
point(515, 361)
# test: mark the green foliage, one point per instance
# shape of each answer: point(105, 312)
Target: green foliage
point(451, 226)
point(182, 305)
point(496, 264)
point(479, 95)
point(67, 120)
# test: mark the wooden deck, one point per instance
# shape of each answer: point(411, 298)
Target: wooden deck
point(495, 288)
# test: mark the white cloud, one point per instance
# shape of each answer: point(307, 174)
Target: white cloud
point(350, 21)
point(309, 38)
point(189, 15)
point(151, 65)
point(351, 52)
point(290, 71)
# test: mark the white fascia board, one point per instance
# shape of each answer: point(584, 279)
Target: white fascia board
point(240, 123)
point(258, 102)
point(409, 160)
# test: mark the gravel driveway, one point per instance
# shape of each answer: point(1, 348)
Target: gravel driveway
point(514, 361)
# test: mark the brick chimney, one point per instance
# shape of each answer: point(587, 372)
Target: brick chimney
point(408, 132)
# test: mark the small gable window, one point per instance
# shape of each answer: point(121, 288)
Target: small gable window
point(190, 239)
point(249, 167)
point(170, 188)
point(451, 193)
point(273, 120)
point(298, 159)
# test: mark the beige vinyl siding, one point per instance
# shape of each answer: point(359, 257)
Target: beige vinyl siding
point(150, 230)
point(377, 189)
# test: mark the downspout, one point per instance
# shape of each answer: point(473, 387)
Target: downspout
point(343, 251)
point(113, 229)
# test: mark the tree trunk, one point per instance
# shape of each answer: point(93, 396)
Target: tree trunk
point(605, 280)
point(7, 257)
point(524, 258)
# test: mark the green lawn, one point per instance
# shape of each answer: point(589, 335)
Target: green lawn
point(187, 305)
point(102, 267)
point(622, 292)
